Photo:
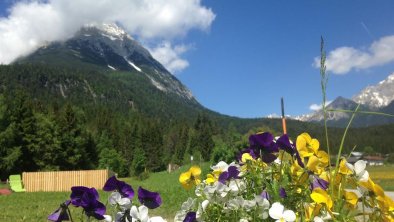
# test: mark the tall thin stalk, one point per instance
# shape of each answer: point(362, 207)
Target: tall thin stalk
point(343, 138)
point(323, 83)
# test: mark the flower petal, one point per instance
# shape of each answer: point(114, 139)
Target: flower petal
point(276, 210)
point(114, 198)
point(134, 212)
point(150, 199)
point(195, 171)
point(289, 215)
point(360, 166)
point(143, 210)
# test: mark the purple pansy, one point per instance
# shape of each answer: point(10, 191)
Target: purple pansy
point(247, 150)
point(80, 194)
point(285, 144)
point(88, 199)
point(231, 173)
point(190, 217)
point(123, 188)
point(299, 160)
point(150, 199)
point(261, 140)
point(319, 182)
point(264, 144)
point(282, 192)
point(265, 195)
point(95, 209)
point(61, 213)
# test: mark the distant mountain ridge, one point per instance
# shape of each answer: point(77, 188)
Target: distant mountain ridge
point(108, 47)
point(378, 98)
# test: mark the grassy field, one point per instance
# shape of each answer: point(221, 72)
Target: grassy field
point(382, 175)
point(37, 206)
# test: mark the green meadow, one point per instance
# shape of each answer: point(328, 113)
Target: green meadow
point(37, 206)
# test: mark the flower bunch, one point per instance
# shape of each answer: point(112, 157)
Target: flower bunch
point(120, 198)
point(275, 179)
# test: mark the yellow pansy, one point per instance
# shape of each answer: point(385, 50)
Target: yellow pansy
point(307, 146)
point(314, 164)
point(213, 177)
point(246, 157)
point(368, 185)
point(210, 179)
point(296, 169)
point(320, 196)
point(343, 169)
point(325, 176)
point(351, 198)
point(323, 158)
point(191, 177)
point(311, 210)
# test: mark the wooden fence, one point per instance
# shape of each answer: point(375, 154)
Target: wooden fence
point(64, 180)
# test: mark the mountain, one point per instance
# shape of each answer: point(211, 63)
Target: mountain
point(333, 118)
point(377, 96)
point(103, 65)
point(110, 48)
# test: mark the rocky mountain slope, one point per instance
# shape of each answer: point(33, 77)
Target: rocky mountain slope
point(375, 98)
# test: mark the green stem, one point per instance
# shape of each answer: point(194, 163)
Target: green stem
point(280, 167)
point(343, 138)
point(69, 214)
point(360, 112)
point(363, 208)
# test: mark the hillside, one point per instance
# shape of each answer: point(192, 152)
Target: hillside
point(100, 100)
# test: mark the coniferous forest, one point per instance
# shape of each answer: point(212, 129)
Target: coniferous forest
point(113, 125)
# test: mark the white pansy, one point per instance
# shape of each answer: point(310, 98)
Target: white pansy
point(180, 216)
point(318, 219)
point(107, 218)
point(236, 186)
point(199, 189)
point(204, 204)
point(157, 219)
point(236, 203)
point(249, 204)
point(217, 188)
point(221, 166)
point(116, 199)
point(201, 209)
point(119, 216)
point(187, 205)
point(243, 220)
point(278, 213)
point(140, 214)
point(263, 204)
point(359, 169)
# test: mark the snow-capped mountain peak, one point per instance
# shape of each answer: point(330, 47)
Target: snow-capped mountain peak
point(110, 30)
point(378, 95)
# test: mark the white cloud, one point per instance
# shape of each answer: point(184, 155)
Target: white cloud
point(343, 59)
point(31, 23)
point(316, 107)
point(169, 56)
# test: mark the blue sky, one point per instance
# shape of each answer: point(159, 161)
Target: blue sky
point(240, 57)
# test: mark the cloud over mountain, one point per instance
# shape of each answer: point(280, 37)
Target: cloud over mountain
point(343, 59)
point(32, 23)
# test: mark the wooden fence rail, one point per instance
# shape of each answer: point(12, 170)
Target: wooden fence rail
point(64, 180)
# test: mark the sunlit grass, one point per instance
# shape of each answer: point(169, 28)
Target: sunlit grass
point(382, 175)
point(37, 206)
